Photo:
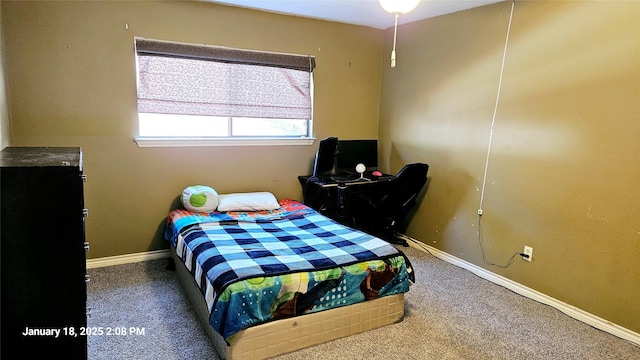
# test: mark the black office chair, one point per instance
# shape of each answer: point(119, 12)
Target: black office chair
point(380, 215)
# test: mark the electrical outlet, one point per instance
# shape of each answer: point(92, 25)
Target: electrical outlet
point(528, 250)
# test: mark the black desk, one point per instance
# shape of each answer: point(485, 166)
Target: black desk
point(331, 196)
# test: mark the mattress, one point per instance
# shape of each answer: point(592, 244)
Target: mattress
point(291, 270)
point(291, 334)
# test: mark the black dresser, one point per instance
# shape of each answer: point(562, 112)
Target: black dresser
point(43, 268)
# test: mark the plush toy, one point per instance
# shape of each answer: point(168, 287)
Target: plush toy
point(199, 198)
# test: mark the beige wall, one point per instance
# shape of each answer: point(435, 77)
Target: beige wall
point(71, 76)
point(564, 168)
point(5, 129)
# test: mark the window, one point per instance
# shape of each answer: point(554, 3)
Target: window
point(195, 94)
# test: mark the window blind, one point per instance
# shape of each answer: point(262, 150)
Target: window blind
point(176, 78)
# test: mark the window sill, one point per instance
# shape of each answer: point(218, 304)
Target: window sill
point(190, 142)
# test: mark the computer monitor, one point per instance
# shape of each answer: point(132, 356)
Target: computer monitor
point(325, 156)
point(354, 152)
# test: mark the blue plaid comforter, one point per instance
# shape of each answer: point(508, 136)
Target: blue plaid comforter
point(222, 249)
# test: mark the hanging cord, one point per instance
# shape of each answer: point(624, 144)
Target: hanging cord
point(484, 258)
point(486, 165)
point(395, 35)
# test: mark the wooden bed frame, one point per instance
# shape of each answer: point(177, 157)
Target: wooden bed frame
point(286, 335)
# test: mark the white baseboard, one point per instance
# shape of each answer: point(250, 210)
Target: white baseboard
point(518, 288)
point(127, 259)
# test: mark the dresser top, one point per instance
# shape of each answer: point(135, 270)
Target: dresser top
point(41, 156)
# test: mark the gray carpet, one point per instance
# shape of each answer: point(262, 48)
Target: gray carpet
point(450, 314)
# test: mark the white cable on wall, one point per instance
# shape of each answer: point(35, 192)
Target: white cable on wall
point(495, 110)
point(486, 165)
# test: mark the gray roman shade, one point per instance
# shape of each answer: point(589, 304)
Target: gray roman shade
point(176, 78)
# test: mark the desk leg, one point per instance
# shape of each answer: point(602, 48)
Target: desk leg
point(341, 198)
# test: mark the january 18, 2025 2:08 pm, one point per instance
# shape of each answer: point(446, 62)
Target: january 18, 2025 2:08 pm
point(70, 331)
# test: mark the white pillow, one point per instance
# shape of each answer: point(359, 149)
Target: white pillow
point(251, 201)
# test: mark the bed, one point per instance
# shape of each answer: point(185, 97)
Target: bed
point(267, 282)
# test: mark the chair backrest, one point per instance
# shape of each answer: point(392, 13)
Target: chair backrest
point(408, 183)
point(326, 156)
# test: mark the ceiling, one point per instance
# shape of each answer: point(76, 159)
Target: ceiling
point(358, 12)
